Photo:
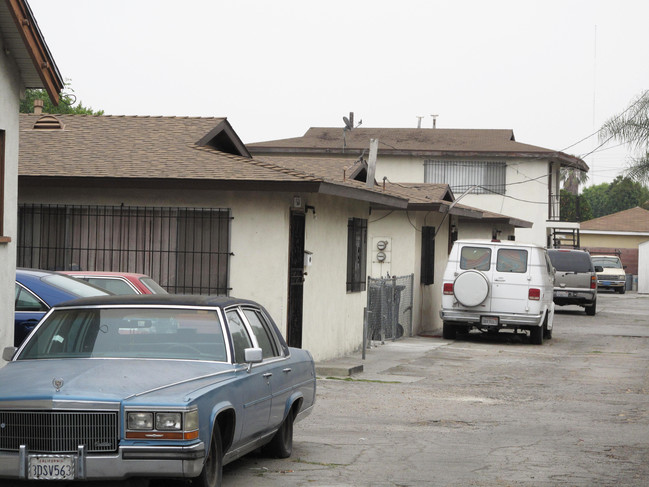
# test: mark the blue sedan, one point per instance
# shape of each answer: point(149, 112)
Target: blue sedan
point(37, 291)
point(150, 386)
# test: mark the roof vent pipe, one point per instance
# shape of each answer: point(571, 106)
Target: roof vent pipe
point(434, 121)
point(38, 107)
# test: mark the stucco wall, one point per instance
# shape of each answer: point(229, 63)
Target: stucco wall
point(332, 318)
point(10, 88)
point(614, 241)
point(404, 231)
point(643, 268)
point(526, 194)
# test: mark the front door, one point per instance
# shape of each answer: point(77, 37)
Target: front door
point(295, 279)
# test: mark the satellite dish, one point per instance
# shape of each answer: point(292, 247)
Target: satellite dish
point(348, 124)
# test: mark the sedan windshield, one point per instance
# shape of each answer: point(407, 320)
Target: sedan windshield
point(187, 333)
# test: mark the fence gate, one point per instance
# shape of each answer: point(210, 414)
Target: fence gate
point(389, 306)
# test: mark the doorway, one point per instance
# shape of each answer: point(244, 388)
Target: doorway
point(295, 279)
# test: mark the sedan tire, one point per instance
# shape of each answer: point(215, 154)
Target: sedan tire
point(281, 446)
point(212, 473)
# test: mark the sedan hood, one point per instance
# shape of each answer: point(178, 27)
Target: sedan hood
point(105, 380)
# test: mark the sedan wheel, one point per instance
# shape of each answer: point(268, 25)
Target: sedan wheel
point(212, 473)
point(281, 446)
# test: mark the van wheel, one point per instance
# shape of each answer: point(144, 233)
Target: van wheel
point(592, 309)
point(449, 332)
point(547, 332)
point(536, 335)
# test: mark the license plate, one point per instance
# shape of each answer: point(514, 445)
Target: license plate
point(562, 294)
point(606, 283)
point(489, 320)
point(51, 467)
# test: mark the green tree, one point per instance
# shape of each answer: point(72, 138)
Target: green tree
point(66, 103)
point(623, 193)
point(573, 207)
point(632, 127)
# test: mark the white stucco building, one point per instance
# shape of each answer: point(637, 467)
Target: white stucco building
point(25, 62)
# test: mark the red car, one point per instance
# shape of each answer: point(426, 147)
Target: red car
point(119, 282)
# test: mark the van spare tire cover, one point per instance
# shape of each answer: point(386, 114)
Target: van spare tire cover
point(471, 288)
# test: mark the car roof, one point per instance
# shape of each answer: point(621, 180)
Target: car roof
point(160, 300)
point(103, 273)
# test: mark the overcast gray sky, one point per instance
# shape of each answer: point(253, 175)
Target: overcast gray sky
point(551, 70)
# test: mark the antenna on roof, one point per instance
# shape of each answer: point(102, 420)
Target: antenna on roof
point(349, 126)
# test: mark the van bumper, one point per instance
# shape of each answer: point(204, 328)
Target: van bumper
point(505, 320)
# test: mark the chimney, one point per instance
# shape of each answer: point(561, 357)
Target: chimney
point(434, 121)
point(38, 107)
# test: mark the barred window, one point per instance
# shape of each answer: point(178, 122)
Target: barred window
point(186, 250)
point(356, 254)
point(488, 177)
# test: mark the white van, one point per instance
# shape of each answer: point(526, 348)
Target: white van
point(491, 285)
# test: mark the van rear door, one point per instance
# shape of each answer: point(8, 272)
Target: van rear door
point(511, 280)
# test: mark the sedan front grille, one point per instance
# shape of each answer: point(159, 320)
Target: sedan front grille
point(59, 431)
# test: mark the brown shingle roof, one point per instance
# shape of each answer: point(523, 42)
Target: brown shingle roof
point(132, 147)
point(432, 142)
point(631, 220)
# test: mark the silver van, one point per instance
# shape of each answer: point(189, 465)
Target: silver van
point(575, 281)
point(492, 285)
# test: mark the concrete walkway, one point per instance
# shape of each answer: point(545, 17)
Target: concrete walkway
point(380, 359)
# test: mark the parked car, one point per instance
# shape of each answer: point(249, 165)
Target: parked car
point(119, 282)
point(151, 386)
point(37, 291)
point(575, 280)
point(612, 275)
point(493, 285)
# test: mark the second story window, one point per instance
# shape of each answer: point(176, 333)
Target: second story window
point(488, 177)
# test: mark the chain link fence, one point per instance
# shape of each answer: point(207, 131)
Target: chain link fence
point(389, 308)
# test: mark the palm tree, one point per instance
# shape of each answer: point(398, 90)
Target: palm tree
point(632, 127)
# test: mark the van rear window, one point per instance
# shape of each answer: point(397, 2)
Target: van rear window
point(478, 258)
point(571, 261)
point(512, 260)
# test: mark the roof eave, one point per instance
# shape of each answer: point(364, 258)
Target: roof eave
point(38, 50)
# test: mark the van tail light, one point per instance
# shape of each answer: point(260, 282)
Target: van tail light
point(448, 288)
point(534, 294)
point(593, 282)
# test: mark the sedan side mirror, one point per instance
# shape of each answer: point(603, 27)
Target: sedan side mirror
point(8, 353)
point(253, 356)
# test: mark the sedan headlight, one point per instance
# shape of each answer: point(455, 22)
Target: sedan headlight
point(168, 421)
point(140, 421)
point(162, 425)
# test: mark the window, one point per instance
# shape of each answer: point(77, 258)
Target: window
point(478, 258)
point(265, 338)
point(356, 254)
point(427, 255)
point(489, 177)
point(240, 338)
point(186, 250)
point(512, 260)
point(26, 301)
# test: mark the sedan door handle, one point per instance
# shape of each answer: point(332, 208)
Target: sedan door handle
point(267, 375)
point(286, 370)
